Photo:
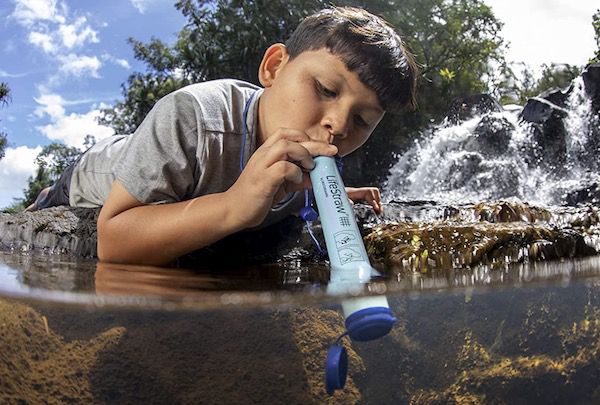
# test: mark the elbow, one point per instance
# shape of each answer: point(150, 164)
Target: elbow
point(110, 246)
point(104, 249)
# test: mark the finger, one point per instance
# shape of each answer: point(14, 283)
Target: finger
point(315, 148)
point(283, 171)
point(284, 150)
point(289, 134)
point(290, 185)
point(373, 198)
point(379, 209)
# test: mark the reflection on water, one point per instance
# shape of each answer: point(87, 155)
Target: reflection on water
point(56, 278)
point(51, 276)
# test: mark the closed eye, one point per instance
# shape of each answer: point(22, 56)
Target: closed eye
point(324, 91)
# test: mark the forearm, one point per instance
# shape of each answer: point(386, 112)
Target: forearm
point(158, 234)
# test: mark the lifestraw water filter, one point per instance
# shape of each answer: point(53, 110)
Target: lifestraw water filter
point(367, 318)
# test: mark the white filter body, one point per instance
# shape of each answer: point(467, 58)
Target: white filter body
point(350, 266)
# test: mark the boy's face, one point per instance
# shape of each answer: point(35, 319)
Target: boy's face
point(317, 94)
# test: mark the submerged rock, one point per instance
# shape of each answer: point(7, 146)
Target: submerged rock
point(564, 378)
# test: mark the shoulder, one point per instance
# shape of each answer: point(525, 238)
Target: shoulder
point(220, 102)
point(219, 92)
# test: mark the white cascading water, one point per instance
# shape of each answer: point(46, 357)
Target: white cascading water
point(464, 164)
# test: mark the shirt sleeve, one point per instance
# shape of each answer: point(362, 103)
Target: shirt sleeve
point(159, 164)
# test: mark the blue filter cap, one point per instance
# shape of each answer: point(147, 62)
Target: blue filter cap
point(370, 323)
point(336, 368)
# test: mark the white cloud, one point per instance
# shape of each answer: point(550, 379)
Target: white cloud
point(43, 41)
point(117, 61)
point(79, 65)
point(4, 73)
point(69, 128)
point(58, 35)
point(77, 34)
point(72, 129)
point(28, 12)
point(50, 104)
point(142, 5)
point(15, 168)
point(123, 63)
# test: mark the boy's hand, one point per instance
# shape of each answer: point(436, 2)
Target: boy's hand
point(279, 166)
point(370, 195)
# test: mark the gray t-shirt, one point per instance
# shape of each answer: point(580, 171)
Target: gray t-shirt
point(188, 145)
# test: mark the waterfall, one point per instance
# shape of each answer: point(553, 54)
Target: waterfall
point(498, 155)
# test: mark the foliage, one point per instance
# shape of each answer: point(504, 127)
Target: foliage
point(16, 206)
point(4, 99)
point(55, 158)
point(556, 75)
point(51, 163)
point(456, 42)
point(35, 184)
point(3, 142)
point(521, 87)
point(4, 94)
point(215, 43)
point(596, 25)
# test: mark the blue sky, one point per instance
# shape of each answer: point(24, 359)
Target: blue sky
point(66, 59)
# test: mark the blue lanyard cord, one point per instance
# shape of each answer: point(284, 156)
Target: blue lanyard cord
point(309, 215)
point(245, 132)
point(339, 163)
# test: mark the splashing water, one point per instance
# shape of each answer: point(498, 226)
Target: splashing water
point(498, 156)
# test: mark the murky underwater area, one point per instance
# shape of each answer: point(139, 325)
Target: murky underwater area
point(83, 332)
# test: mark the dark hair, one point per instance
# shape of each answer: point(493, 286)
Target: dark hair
point(368, 46)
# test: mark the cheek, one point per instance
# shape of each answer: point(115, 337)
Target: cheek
point(351, 143)
point(303, 113)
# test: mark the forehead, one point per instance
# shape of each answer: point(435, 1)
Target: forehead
point(327, 66)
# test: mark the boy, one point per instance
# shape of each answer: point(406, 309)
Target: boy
point(215, 158)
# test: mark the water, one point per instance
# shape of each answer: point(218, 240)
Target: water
point(136, 334)
point(498, 156)
point(512, 329)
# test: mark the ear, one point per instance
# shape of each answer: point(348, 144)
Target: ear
point(274, 59)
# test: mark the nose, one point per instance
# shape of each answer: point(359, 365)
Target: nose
point(335, 125)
